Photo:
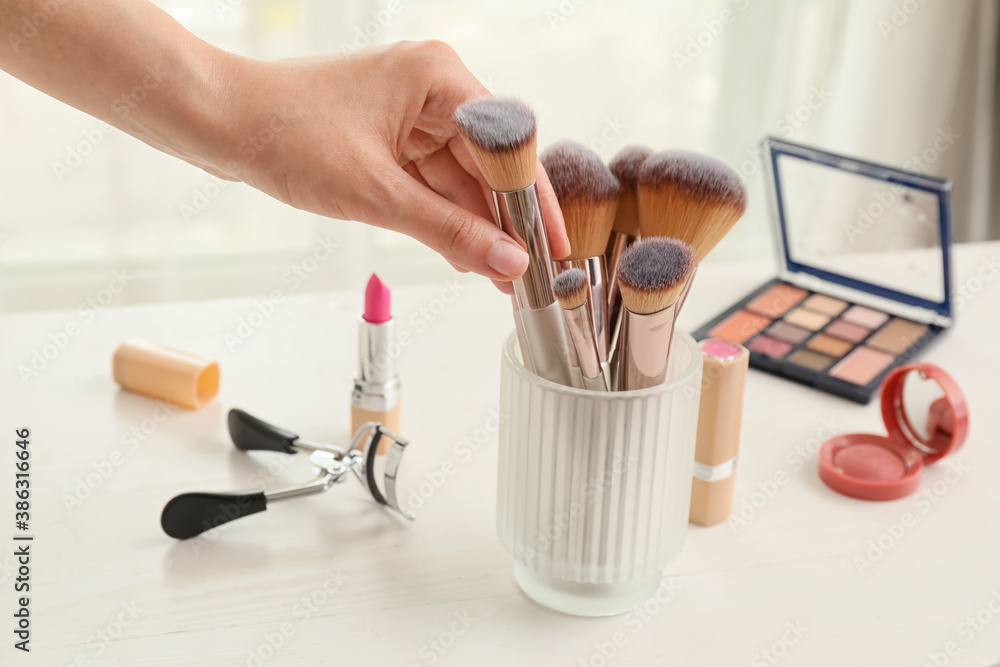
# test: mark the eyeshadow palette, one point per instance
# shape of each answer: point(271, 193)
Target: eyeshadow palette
point(864, 280)
point(819, 340)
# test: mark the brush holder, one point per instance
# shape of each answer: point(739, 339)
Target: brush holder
point(594, 487)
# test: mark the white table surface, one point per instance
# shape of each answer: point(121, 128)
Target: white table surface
point(109, 588)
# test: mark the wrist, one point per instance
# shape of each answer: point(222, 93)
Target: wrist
point(210, 102)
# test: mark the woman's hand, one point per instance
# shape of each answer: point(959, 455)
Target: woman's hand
point(362, 136)
point(368, 136)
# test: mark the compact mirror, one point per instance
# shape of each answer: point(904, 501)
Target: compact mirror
point(927, 418)
point(923, 411)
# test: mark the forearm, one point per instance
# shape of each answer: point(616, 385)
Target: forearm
point(364, 136)
point(126, 62)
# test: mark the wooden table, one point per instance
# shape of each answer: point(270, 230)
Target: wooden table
point(808, 577)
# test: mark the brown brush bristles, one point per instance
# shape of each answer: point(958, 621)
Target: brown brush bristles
point(588, 196)
point(652, 273)
point(625, 166)
point(570, 288)
point(500, 133)
point(689, 196)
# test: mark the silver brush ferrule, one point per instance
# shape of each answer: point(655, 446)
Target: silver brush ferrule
point(618, 244)
point(581, 332)
point(519, 214)
point(598, 288)
point(545, 337)
point(540, 326)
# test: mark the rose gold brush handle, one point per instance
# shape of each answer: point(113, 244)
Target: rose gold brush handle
point(645, 348)
point(684, 293)
point(616, 246)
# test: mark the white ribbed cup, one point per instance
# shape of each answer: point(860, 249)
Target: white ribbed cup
point(594, 487)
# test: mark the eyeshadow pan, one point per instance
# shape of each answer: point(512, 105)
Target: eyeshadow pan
point(740, 327)
point(834, 347)
point(865, 317)
point(827, 305)
point(772, 347)
point(898, 335)
point(807, 319)
point(848, 331)
point(862, 366)
point(778, 300)
point(811, 360)
point(788, 332)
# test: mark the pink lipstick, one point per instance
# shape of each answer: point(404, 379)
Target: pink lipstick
point(375, 397)
point(378, 300)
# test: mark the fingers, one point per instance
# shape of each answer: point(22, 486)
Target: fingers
point(504, 286)
point(555, 226)
point(460, 235)
point(464, 158)
point(443, 174)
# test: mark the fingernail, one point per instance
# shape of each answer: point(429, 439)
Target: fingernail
point(507, 259)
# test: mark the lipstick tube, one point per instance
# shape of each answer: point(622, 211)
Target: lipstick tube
point(723, 380)
point(376, 393)
point(519, 214)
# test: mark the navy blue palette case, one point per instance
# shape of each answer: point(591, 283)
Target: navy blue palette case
point(864, 272)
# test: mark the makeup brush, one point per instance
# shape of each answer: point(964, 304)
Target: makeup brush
point(500, 134)
point(571, 291)
point(625, 166)
point(625, 230)
point(692, 197)
point(588, 196)
point(651, 275)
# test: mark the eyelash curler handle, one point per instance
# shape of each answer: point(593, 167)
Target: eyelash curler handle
point(190, 514)
point(249, 433)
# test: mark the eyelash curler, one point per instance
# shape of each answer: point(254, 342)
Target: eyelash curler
point(191, 514)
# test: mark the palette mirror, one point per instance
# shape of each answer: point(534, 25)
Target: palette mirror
point(873, 231)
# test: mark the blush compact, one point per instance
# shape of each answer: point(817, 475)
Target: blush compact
point(927, 418)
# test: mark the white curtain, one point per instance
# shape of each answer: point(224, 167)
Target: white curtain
point(905, 83)
point(714, 75)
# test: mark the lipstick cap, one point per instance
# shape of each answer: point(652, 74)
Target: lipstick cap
point(170, 375)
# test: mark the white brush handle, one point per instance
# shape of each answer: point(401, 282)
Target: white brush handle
point(547, 343)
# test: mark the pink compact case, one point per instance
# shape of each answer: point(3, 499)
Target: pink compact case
point(927, 418)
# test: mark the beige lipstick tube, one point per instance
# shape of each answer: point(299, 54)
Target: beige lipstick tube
point(724, 376)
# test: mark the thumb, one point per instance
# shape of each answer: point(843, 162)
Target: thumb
point(462, 237)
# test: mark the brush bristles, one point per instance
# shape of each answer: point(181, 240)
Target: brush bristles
point(588, 196)
point(652, 273)
point(627, 215)
point(588, 226)
point(570, 288)
point(500, 133)
point(689, 196)
point(625, 166)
